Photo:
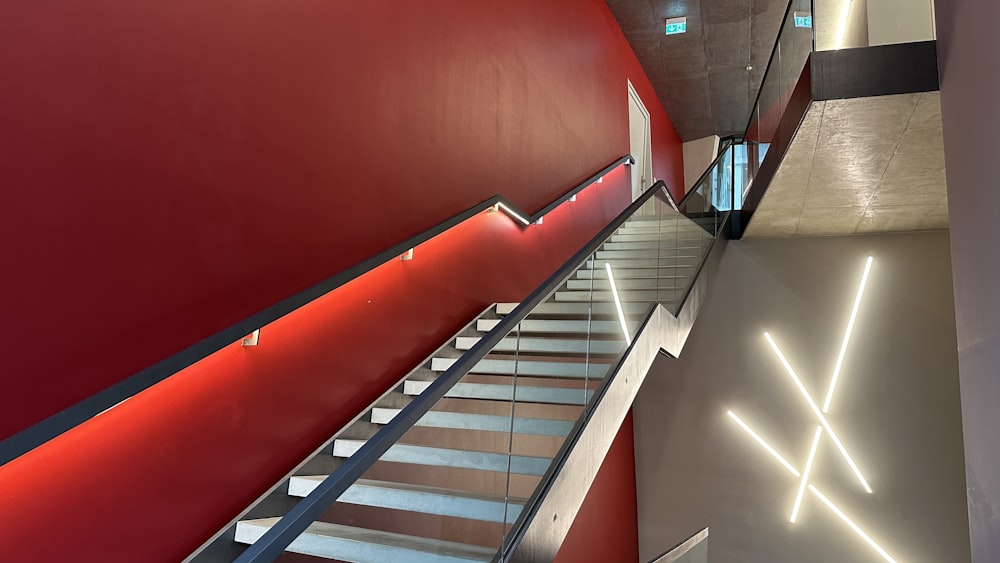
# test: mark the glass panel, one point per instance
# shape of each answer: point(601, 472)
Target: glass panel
point(460, 478)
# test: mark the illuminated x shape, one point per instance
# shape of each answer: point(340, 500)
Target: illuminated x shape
point(824, 425)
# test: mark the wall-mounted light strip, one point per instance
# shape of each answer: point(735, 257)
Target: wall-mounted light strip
point(819, 414)
point(251, 339)
point(857, 529)
point(513, 214)
point(618, 304)
point(763, 443)
point(805, 474)
point(847, 335)
point(812, 488)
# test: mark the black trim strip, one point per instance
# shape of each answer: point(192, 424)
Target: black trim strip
point(767, 69)
point(41, 432)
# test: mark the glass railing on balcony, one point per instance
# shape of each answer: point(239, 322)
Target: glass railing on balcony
point(454, 474)
point(791, 50)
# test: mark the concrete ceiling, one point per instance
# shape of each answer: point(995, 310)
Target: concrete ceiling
point(701, 76)
point(865, 165)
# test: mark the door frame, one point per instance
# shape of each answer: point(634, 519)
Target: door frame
point(643, 167)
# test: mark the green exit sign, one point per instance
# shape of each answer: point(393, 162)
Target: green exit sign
point(803, 19)
point(676, 25)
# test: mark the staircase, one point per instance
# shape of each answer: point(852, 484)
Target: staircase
point(451, 488)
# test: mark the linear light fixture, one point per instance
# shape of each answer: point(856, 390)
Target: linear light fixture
point(812, 488)
point(618, 304)
point(805, 474)
point(251, 339)
point(513, 213)
point(819, 414)
point(763, 443)
point(847, 335)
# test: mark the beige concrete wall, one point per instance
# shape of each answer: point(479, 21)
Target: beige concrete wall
point(698, 154)
point(900, 21)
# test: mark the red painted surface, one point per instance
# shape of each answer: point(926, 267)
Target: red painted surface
point(172, 167)
point(607, 526)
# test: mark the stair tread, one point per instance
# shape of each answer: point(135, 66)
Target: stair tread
point(423, 489)
point(500, 392)
point(450, 457)
point(321, 539)
point(485, 422)
point(491, 366)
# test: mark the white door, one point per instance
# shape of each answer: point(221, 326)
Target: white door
point(639, 143)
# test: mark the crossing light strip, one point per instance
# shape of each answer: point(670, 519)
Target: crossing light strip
point(847, 335)
point(812, 488)
point(818, 413)
point(805, 473)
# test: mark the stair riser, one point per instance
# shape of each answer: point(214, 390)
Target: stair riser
point(416, 501)
point(482, 422)
point(547, 346)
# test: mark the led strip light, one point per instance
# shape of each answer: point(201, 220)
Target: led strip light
point(824, 425)
point(812, 488)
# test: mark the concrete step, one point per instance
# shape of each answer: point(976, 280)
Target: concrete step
point(416, 498)
point(670, 230)
point(445, 457)
point(526, 368)
point(652, 254)
point(626, 264)
point(361, 545)
point(555, 309)
point(671, 284)
point(685, 237)
point(494, 392)
point(645, 296)
point(551, 326)
point(485, 422)
point(534, 345)
point(666, 245)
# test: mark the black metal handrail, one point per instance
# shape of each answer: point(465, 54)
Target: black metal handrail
point(41, 432)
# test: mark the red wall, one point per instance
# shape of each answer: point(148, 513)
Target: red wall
point(172, 167)
point(607, 526)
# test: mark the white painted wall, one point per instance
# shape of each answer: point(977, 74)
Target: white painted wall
point(968, 56)
point(698, 154)
point(900, 21)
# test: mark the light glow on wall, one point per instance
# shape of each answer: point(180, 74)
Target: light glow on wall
point(824, 426)
point(812, 488)
point(819, 414)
